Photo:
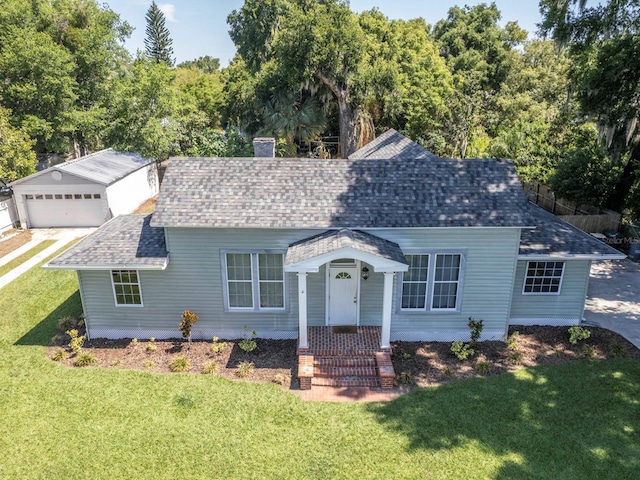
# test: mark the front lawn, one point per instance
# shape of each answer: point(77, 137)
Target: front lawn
point(576, 420)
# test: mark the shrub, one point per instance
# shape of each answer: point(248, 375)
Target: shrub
point(279, 378)
point(217, 346)
point(246, 344)
point(149, 364)
point(476, 329)
point(151, 346)
point(515, 358)
point(115, 363)
point(179, 364)
point(133, 342)
point(244, 369)
point(76, 342)
point(210, 368)
point(67, 323)
point(84, 360)
point(618, 350)
point(588, 350)
point(462, 350)
point(512, 341)
point(483, 367)
point(60, 355)
point(447, 372)
point(406, 356)
point(577, 334)
point(188, 320)
point(405, 378)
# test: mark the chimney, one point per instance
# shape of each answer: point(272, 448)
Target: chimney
point(264, 147)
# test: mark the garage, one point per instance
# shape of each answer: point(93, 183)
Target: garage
point(85, 192)
point(65, 210)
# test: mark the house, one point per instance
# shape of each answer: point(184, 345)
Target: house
point(85, 192)
point(396, 241)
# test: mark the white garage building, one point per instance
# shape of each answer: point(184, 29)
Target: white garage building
point(85, 192)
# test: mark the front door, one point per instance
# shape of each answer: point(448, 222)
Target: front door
point(343, 295)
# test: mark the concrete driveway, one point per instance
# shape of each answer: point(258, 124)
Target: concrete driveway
point(613, 299)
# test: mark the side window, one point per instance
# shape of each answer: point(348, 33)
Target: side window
point(254, 281)
point(126, 287)
point(543, 278)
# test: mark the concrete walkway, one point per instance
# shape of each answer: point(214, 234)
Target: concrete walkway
point(62, 237)
point(613, 299)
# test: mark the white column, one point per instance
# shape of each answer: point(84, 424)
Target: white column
point(303, 341)
point(387, 297)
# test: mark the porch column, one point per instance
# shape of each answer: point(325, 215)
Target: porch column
point(303, 341)
point(385, 335)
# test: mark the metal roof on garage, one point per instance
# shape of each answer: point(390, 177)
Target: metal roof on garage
point(104, 167)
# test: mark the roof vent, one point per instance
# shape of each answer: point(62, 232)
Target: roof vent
point(264, 147)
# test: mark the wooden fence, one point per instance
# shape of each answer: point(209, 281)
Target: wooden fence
point(587, 218)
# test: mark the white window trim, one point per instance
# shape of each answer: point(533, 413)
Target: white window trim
point(255, 282)
point(113, 289)
point(526, 269)
point(431, 275)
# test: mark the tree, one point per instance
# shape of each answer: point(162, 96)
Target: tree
point(205, 64)
point(603, 42)
point(17, 158)
point(586, 174)
point(158, 41)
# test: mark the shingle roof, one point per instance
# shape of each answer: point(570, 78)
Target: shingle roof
point(126, 241)
point(555, 237)
point(327, 193)
point(391, 145)
point(333, 240)
point(104, 167)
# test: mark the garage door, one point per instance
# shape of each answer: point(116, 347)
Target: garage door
point(65, 210)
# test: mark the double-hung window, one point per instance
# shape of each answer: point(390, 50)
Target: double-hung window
point(432, 282)
point(543, 278)
point(254, 281)
point(126, 288)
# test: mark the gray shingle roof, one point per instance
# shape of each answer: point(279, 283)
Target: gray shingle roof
point(333, 240)
point(126, 241)
point(104, 167)
point(391, 145)
point(326, 193)
point(555, 237)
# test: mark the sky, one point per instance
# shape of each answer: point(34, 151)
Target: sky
point(199, 27)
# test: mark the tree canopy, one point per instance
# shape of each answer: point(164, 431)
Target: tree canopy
point(158, 42)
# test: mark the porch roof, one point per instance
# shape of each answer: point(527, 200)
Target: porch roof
point(309, 254)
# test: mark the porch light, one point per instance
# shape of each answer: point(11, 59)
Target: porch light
point(365, 273)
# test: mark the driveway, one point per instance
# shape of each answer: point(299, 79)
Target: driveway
point(613, 299)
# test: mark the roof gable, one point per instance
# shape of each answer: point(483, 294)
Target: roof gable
point(392, 145)
point(104, 167)
point(360, 193)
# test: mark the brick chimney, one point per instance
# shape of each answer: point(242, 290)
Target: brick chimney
point(264, 147)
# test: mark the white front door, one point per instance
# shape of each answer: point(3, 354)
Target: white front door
point(343, 295)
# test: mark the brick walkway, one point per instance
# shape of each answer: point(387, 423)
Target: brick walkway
point(346, 394)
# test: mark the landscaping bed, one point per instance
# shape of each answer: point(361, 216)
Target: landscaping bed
point(417, 364)
point(13, 239)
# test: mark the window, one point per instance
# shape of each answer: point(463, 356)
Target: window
point(77, 196)
point(96, 195)
point(87, 196)
point(254, 281)
point(414, 282)
point(126, 287)
point(431, 284)
point(48, 196)
point(445, 283)
point(68, 196)
point(58, 196)
point(543, 278)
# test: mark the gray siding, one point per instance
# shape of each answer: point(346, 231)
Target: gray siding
point(563, 309)
point(490, 257)
point(193, 280)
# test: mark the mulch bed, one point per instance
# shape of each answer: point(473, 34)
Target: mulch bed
point(417, 364)
point(13, 239)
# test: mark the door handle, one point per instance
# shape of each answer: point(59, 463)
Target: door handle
point(355, 299)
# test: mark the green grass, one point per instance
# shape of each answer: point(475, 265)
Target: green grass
point(25, 256)
point(578, 420)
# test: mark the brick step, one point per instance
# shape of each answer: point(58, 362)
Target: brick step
point(324, 371)
point(343, 353)
point(345, 382)
point(345, 361)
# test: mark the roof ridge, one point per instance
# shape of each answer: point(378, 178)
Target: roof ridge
point(83, 158)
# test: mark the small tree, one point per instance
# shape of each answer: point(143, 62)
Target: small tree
point(188, 319)
point(158, 42)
